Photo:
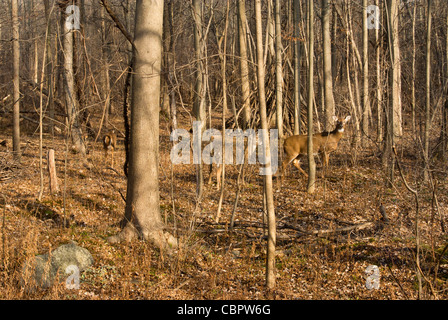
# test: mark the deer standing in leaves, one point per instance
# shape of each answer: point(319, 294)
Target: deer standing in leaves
point(323, 144)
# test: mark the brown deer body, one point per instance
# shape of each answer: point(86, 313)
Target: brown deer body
point(323, 143)
point(109, 145)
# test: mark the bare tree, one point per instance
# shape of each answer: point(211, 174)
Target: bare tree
point(278, 69)
point(393, 31)
point(297, 60)
point(365, 74)
point(70, 93)
point(16, 82)
point(267, 179)
point(244, 66)
point(311, 163)
point(327, 66)
point(200, 83)
point(142, 215)
point(428, 90)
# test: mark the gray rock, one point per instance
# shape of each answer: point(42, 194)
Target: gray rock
point(42, 270)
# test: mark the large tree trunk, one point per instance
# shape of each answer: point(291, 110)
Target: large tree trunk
point(393, 11)
point(142, 199)
point(327, 68)
point(200, 85)
point(428, 91)
point(244, 67)
point(267, 179)
point(311, 163)
point(297, 52)
point(278, 70)
point(16, 83)
point(365, 75)
point(70, 92)
point(379, 82)
point(49, 65)
point(105, 69)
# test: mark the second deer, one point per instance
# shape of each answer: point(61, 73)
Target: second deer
point(323, 143)
point(109, 145)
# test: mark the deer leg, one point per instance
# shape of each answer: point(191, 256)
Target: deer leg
point(210, 174)
point(325, 158)
point(285, 164)
point(296, 164)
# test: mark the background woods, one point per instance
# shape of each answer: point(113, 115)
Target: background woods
point(73, 71)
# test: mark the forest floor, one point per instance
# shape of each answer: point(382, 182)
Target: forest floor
point(325, 241)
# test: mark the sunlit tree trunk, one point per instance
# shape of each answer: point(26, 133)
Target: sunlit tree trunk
point(327, 66)
point(365, 73)
point(297, 52)
point(16, 82)
point(70, 92)
point(428, 90)
point(142, 214)
point(244, 66)
point(278, 69)
point(311, 163)
point(267, 179)
point(199, 94)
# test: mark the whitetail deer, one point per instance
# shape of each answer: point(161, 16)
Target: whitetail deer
point(323, 143)
point(109, 144)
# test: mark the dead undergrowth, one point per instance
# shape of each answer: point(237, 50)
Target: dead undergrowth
point(325, 241)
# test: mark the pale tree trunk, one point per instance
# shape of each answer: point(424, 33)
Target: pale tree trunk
point(311, 163)
point(16, 82)
point(297, 52)
point(327, 66)
point(70, 92)
point(413, 106)
point(142, 212)
point(49, 65)
point(379, 82)
point(244, 67)
point(393, 126)
point(365, 75)
point(222, 53)
point(278, 70)
point(428, 91)
point(105, 69)
point(199, 94)
point(267, 179)
point(393, 12)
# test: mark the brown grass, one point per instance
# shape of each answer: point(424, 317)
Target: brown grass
point(212, 262)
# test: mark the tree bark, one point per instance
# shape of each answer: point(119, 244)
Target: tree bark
point(365, 75)
point(428, 91)
point(244, 67)
point(379, 82)
point(297, 57)
point(70, 92)
point(16, 82)
point(311, 163)
point(199, 94)
point(278, 70)
point(327, 68)
point(393, 12)
point(142, 212)
point(267, 179)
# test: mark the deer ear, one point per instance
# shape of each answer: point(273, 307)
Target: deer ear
point(347, 118)
point(335, 118)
